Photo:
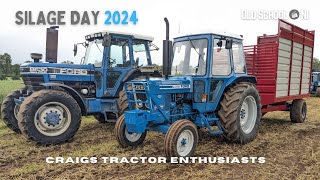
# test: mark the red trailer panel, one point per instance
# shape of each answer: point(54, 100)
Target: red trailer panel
point(282, 64)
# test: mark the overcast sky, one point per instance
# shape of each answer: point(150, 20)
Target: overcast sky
point(191, 16)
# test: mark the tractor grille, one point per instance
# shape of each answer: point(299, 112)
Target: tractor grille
point(33, 81)
point(137, 96)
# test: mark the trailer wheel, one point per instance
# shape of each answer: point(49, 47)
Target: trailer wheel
point(125, 138)
point(181, 139)
point(298, 111)
point(49, 117)
point(9, 110)
point(317, 92)
point(240, 113)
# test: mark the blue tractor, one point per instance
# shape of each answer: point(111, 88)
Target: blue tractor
point(315, 84)
point(49, 109)
point(205, 85)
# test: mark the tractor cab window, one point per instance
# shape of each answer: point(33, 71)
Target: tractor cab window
point(315, 77)
point(119, 55)
point(94, 53)
point(140, 55)
point(238, 58)
point(221, 59)
point(190, 57)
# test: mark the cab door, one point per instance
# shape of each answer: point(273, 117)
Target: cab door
point(119, 62)
point(221, 71)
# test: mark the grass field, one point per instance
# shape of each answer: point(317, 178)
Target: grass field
point(7, 86)
point(292, 151)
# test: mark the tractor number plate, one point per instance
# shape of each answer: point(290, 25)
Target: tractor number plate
point(138, 87)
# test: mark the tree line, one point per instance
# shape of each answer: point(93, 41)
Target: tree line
point(7, 69)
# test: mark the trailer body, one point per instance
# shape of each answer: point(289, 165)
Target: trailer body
point(282, 65)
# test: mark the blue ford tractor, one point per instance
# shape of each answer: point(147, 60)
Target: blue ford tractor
point(205, 86)
point(49, 109)
point(315, 84)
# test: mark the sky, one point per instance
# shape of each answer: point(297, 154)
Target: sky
point(185, 17)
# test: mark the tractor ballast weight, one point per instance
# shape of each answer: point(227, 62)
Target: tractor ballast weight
point(210, 83)
point(48, 110)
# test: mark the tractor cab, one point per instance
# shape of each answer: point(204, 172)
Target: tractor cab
point(115, 57)
point(211, 61)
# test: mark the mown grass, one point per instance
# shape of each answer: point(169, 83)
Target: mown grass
point(292, 151)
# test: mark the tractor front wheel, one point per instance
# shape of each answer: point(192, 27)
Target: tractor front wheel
point(125, 138)
point(49, 117)
point(240, 113)
point(181, 139)
point(10, 109)
point(298, 111)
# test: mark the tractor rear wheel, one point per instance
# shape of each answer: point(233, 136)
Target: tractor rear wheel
point(181, 139)
point(317, 92)
point(49, 117)
point(240, 113)
point(122, 102)
point(9, 110)
point(298, 111)
point(125, 138)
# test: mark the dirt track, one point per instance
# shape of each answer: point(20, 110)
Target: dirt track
point(292, 151)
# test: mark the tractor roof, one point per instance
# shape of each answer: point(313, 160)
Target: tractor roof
point(136, 36)
point(236, 36)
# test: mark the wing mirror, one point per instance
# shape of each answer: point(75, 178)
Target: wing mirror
point(75, 49)
point(106, 42)
point(228, 43)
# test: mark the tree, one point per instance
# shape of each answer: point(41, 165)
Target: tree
point(157, 67)
point(15, 72)
point(67, 62)
point(5, 63)
point(316, 65)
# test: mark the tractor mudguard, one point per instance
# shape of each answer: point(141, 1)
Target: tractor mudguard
point(250, 79)
point(72, 92)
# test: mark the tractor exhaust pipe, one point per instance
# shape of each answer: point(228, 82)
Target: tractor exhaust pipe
point(167, 28)
point(167, 52)
point(52, 44)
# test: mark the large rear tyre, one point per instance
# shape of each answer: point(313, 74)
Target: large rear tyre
point(240, 113)
point(181, 139)
point(122, 102)
point(298, 111)
point(49, 117)
point(124, 138)
point(317, 92)
point(9, 110)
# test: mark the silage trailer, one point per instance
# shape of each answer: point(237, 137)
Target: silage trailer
point(282, 65)
point(212, 81)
